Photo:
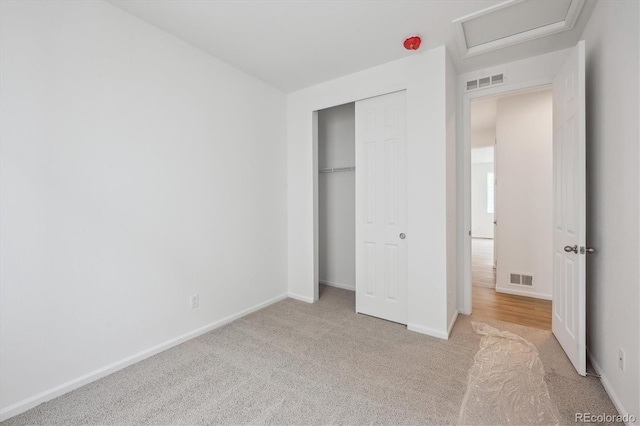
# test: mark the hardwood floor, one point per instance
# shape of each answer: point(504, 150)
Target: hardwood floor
point(482, 272)
point(488, 303)
point(528, 311)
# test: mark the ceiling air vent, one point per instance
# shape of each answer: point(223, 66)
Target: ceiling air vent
point(484, 82)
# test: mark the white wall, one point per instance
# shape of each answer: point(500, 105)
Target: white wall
point(481, 221)
point(534, 71)
point(482, 155)
point(481, 166)
point(423, 77)
point(524, 193)
point(136, 171)
point(613, 110)
point(451, 77)
point(337, 196)
point(483, 137)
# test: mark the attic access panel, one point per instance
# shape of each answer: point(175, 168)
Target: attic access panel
point(513, 22)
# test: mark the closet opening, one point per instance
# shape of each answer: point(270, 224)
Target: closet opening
point(336, 156)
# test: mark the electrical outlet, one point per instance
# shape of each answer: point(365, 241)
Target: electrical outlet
point(621, 359)
point(195, 301)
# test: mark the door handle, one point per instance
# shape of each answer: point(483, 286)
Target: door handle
point(570, 249)
point(402, 236)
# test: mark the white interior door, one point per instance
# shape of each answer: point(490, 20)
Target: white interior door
point(381, 247)
point(569, 209)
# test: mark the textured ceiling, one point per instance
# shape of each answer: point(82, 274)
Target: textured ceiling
point(295, 44)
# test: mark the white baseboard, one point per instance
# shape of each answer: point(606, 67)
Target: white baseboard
point(452, 323)
point(338, 285)
point(440, 334)
point(300, 297)
point(609, 389)
point(524, 293)
point(28, 403)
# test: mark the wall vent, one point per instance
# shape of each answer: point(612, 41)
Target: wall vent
point(521, 279)
point(485, 82)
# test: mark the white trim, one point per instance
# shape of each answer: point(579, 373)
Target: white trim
point(28, 403)
point(465, 51)
point(428, 331)
point(452, 323)
point(466, 307)
point(316, 213)
point(338, 285)
point(300, 297)
point(524, 293)
point(608, 388)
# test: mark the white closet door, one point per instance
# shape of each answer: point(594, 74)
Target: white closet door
point(381, 203)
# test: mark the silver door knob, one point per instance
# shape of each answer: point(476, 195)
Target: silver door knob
point(570, 249)
point(402, 236)
point(591, 250)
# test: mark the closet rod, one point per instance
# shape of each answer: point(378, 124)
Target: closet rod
point(337, 169)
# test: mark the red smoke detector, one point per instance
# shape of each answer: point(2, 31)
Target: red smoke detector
point(412, 43)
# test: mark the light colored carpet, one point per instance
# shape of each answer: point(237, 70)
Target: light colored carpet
point(297, 363)
point(482, 272)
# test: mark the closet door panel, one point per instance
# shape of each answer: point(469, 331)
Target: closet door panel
point(381, 249)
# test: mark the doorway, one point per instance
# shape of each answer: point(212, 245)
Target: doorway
point(568, 250)
point(483, 137)
point(336, 197)
point(512, 207)
point(361, 154)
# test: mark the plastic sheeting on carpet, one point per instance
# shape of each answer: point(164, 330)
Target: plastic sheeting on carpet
point(506, 383)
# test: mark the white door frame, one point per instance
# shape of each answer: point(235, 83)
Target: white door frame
point(466, 160)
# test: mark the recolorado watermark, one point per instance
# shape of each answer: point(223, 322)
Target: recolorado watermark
point(604, 418)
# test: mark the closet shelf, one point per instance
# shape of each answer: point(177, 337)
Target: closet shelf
point(337, 169)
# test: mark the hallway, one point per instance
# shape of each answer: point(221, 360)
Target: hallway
point(482, 272)
point(489, 303)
